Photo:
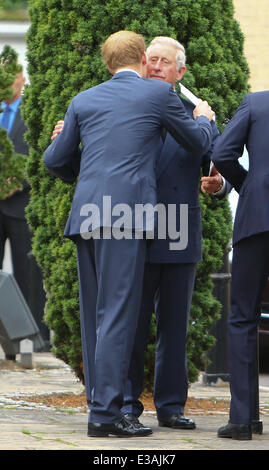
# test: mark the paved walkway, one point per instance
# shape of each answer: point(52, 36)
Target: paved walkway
point(25, 426)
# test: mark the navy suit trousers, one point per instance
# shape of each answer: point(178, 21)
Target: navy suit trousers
point(110, 281)
point(167, 291)
point(250, 269)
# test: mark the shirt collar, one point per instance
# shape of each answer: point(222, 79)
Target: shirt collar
point(14, 106)
point(128, 70)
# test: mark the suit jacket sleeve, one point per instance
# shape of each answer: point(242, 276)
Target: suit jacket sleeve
point(206, 163)
point(62, 157)
point(195, 135)
point(230, 146)
point(207, 156)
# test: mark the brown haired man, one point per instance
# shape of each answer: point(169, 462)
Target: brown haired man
point(122, 49)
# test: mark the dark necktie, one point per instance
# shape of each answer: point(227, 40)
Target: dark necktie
point(6, 117)
point(163, 133)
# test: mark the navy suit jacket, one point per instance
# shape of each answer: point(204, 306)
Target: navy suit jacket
point(248, 126)
point(178, 182)
point(118, 124)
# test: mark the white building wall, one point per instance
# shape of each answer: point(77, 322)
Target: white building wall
point(13, 34)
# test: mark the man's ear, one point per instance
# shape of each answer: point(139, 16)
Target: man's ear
point(181, 72)
point(144, 59)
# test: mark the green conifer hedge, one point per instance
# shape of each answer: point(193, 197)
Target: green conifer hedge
point(64, 58)
point(12, 164)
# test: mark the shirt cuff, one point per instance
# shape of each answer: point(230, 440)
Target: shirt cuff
point(222, 190)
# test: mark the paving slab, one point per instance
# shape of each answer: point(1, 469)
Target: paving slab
point(27, 426)
point(49, 430)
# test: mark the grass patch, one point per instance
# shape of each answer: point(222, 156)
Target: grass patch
point(41, 438)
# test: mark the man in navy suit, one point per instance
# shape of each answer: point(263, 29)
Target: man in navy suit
point(119, 125)
point(250, 264)
point(169, 275)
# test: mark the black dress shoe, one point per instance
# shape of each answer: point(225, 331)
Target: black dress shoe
point(256, 427)
point(133, 419)
point(122, 429)
point(241, 432)
point(177, 421)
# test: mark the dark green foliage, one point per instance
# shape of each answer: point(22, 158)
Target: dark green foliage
point(8, 71)
point(12, 165)
point(13, 4)
point(64, 58)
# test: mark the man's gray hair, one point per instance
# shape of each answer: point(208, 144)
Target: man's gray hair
point(181, 53)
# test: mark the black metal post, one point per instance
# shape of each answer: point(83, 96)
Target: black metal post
point(257, 426)
point(218, 355)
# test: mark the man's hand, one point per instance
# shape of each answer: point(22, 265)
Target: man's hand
point(10, 181)
point(57, 129)
point(212, 183)
point(203, 109)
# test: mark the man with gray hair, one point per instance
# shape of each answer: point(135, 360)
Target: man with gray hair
point(169, 275)
point(180, 56)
